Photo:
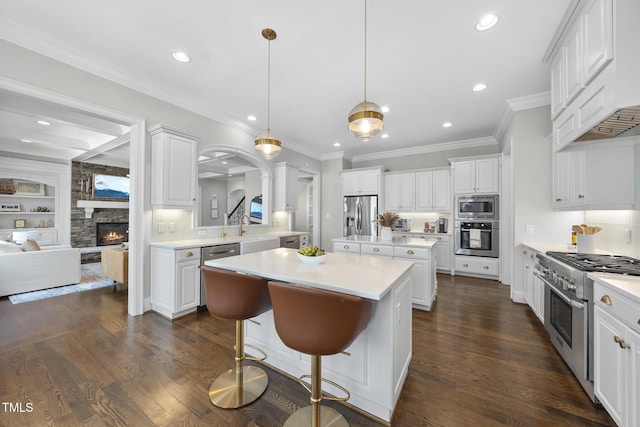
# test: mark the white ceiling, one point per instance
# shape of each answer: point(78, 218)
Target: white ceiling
point(423, 58)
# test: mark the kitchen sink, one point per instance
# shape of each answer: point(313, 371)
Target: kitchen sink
point(252, 244)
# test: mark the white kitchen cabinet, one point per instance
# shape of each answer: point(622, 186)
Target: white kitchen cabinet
point(376, 250)
point(591, 82)
point(175, 281)
point(433, 191)
point(596, 177)
point(477, 266)
point(424, 283)
point(347, 247)
point(173, 169)
point(442, 250)
point(596, 28)
point(480, 175)
point(286, 183)
point(568, 179)
point(533, 285)
point(361, 182)
point(617, 354)
point(400, 191)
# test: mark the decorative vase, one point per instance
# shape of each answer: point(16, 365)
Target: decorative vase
point(386, 234)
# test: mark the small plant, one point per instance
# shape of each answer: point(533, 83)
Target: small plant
point(387, 219)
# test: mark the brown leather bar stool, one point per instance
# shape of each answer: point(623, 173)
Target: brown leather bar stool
point(317, 323)
point(239, 297)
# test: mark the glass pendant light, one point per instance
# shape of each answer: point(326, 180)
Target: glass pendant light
point(365, 119)
point(267, 145)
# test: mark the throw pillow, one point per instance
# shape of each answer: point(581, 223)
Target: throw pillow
point(9, 248)
point(29, 245)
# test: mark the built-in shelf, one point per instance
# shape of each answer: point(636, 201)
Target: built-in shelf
point(90, 205)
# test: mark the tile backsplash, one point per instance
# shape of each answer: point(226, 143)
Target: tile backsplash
point(617, 226)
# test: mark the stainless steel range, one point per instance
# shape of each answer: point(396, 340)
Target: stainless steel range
point(568, 304)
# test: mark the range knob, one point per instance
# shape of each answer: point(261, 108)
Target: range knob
point(571, 286)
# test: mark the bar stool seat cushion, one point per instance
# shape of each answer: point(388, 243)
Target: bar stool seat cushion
point(317, 322)
point(230, 295)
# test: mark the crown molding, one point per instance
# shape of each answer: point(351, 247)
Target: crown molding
point(337, 155)
point(518, 104)
point(431, 148)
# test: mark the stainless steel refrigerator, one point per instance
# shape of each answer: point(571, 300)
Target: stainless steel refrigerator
point(359, 214)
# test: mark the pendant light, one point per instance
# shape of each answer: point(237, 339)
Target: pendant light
point(365, 119)
point(267, 145)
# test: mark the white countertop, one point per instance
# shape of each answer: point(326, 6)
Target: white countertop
point(396, 241)
point(367, 277)
point(213, 241)
point(625, 284)
point(558, 247)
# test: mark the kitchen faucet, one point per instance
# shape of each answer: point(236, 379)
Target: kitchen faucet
point(242, 220)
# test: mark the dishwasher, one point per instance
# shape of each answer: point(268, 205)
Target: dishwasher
point(290, 242)
point(214, 252)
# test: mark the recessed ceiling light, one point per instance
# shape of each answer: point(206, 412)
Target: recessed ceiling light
point(43, 122)
point(26, 140)
point(447, 124)
point(479, 87)
point(385, 109)
point(224, 162)
point(180, 56)
point(384, 135)
point(487, 22)
point(336, 144)
point(252, 118)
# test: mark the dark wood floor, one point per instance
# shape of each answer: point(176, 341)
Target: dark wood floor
point(478, 360)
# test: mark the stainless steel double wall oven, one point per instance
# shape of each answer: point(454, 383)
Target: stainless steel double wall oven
point(477, 225)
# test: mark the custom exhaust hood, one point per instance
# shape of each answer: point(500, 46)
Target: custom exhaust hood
point(623, 122)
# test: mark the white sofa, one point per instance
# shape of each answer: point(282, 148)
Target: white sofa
point(29, 271)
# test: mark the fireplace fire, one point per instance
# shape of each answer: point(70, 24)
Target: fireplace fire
point(111, 233)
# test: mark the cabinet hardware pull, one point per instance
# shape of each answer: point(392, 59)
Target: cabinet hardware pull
point(580, 196)
point(410, 252)
point(437, 238)
point(558, 200)
point(465, 265)
point(376, 249)
point(486, 267)
point(254, 321)
point(621, 342)
point(346, 246)
point(606, 299)
point(188, 254)
point(531, 256)
point(524, 252)
point(346, 353)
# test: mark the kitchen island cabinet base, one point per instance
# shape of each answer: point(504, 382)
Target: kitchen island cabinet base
point(375, 366)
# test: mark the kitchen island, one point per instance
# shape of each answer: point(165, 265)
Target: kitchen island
point(375, 366)
point(424, 281)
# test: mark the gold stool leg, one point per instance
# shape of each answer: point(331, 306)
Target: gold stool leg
point(316, 415)
point(239, 386)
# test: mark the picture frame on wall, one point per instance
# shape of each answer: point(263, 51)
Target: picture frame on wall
point(19, 223)
point(29, 188)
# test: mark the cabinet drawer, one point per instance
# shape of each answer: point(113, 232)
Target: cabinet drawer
point(617, 305)
point(190, 254)
point(377, 250)
point(353, 248)
point(485, 266)
point(404, 252)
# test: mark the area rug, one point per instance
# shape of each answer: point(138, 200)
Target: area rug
point(91, 279)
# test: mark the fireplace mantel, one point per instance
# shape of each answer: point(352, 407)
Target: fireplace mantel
point(90, 205)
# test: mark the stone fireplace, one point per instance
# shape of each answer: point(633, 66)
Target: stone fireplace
point(84, 229)
point(111, 233)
